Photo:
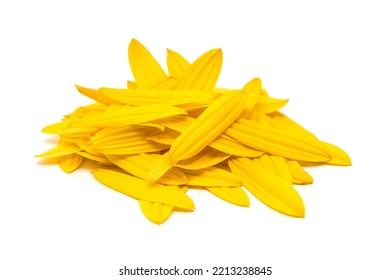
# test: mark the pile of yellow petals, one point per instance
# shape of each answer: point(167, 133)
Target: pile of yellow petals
point(165, 134)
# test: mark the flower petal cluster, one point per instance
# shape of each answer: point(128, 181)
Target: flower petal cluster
point(167, 133)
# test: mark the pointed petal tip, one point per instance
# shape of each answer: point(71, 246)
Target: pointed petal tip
point(299, 212)
point(78, 87)
point(218, 51)
point(67, 171)
point(134, 41)
point(346, 161)
point(300, 215)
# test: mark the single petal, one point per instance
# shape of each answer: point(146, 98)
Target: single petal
point(338, 156)
point(61, 149)
point(101, 159)
point(250, 104)
point(154, 211)
point(160, 167)
point(208, 126)
point(211, 177)
point(131, 85)
point(141, 189)
point(253, 86)
point(144, 66)
point(158, 212)
point(56, 128)
point(253, 89)
point(233, 195)
point(206, 158)
point(266, 105)
point(282, 168)
point(69, 163)
point(203, 73)
point(218, 92)
point(275, 164)
point(166, 137)
point(268, 187)
point(152, 124)
point(146, 97)
point(276, 141)
point(281, 121)
point(177, 64)
point(125, 141)
point(77, 133)
point(95, 95)
point(126, 115)
point(85, 146)
point(229, 145)
point(139, 165)
point(299, 175)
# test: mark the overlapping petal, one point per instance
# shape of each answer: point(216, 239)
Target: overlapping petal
point(165, 134)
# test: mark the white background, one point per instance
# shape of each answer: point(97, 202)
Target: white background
point(330, 58)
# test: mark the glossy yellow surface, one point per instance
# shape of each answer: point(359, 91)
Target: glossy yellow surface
point(166, 133)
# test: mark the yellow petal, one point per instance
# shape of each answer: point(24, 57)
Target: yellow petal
point(141, 189)
point(276, 141)
point(125, 140)
point(266, 162)
point(84, 145)
point(338, 156)
point(208, 126)
point(55, 128)
point(299, 175)
point(203, 73)
point(160, 167)
point(153, 124)
point(144, 66)
point(281, 121)
point(267, 104)
point(140, 164)
point(101, 159)
point(196, 111)
point(268, 187)
point(165, 83)
point(211, 177)
point(157, 212)
point(222, 143)
point(232, 147)
point(62, 149)
point(145, 97)
point(250, 104)
point(282, 168)
point(95, 95)
point(131, 85)
point(77, 133)
point(253, 89)
point(253, 86)
point(275, 164)
point(206, 158)
point(126, 115)
point(167, 137)
point(218, 92)
point(202, 131)
point(233, 195)
point(177, 64)
point(70, 163)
